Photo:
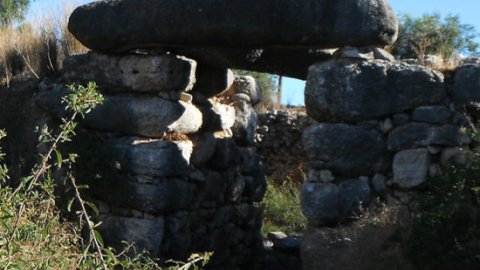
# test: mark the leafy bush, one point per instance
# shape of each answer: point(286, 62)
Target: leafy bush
point(445, 233)
point(281, 210)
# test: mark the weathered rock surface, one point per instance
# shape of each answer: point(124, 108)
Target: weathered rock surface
point(144, 115)
point(432, 114)
point(122, 25)
point(328, 203)
point(153, 198)
point(212, 81)
point(151, 158)
point(245, 123)
point(134, 72)
point(466, 88)
point(348, 90)
point(247, 85)
point(268, 60)
point(414, 135)
point(410, 168)
point(345, 149)
point(146, 234)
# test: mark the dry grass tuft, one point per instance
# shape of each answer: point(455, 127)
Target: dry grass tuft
point(37, 49)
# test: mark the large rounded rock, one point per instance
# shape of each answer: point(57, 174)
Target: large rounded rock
point(144, 115)
point(347, 90)
point(345, 149)
point(121, 25)
point(132, 72)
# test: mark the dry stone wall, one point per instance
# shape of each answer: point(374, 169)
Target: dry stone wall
point(172, 171)
point(384, 129)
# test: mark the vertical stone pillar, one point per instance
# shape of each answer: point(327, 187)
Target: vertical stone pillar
point(385, 129)
point(161, 160)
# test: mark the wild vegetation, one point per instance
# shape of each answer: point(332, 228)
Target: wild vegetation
point(433, 35)
point(281, 209)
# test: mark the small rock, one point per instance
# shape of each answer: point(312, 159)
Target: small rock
point(382, 54)
point(400, 119)
point(410, 168)
point(432, 114)
point(434, 149)
point(379, 184)
point(455, 156)
point(434, 170)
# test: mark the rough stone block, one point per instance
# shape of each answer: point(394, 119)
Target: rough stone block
point(410, 168)
point(145, 234)
point(132, 72)
point(414, 135)
point(211, 81)
point(247, 23)
point(347, 90)
point(432, 114)
point(158, 198)
point(328, 203)
point(148, 116)
point(466, 88)
point(345, 149)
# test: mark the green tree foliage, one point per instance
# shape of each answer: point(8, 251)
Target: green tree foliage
point(432, 34)
point(12, 10)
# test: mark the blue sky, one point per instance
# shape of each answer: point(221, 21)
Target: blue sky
point(468, 10)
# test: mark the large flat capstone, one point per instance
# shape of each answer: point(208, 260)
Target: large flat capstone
point(114, 26)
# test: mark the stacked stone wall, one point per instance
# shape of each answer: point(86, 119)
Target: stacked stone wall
point(385, 128)
point(171, 167)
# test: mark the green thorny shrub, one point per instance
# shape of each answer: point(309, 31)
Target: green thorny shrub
point(32, 232)
point(281, 210)
point(445, 233)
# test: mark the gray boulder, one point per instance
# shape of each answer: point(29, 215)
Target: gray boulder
point(328, 203)
point(148, 116)
point(410, 168)
point(131, 72)
point(349, 90)
point(466, 88)
point(122, 25)
point(414, 135)
point(345, 149)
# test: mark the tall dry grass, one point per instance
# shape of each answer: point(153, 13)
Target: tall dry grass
point(37, 48)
